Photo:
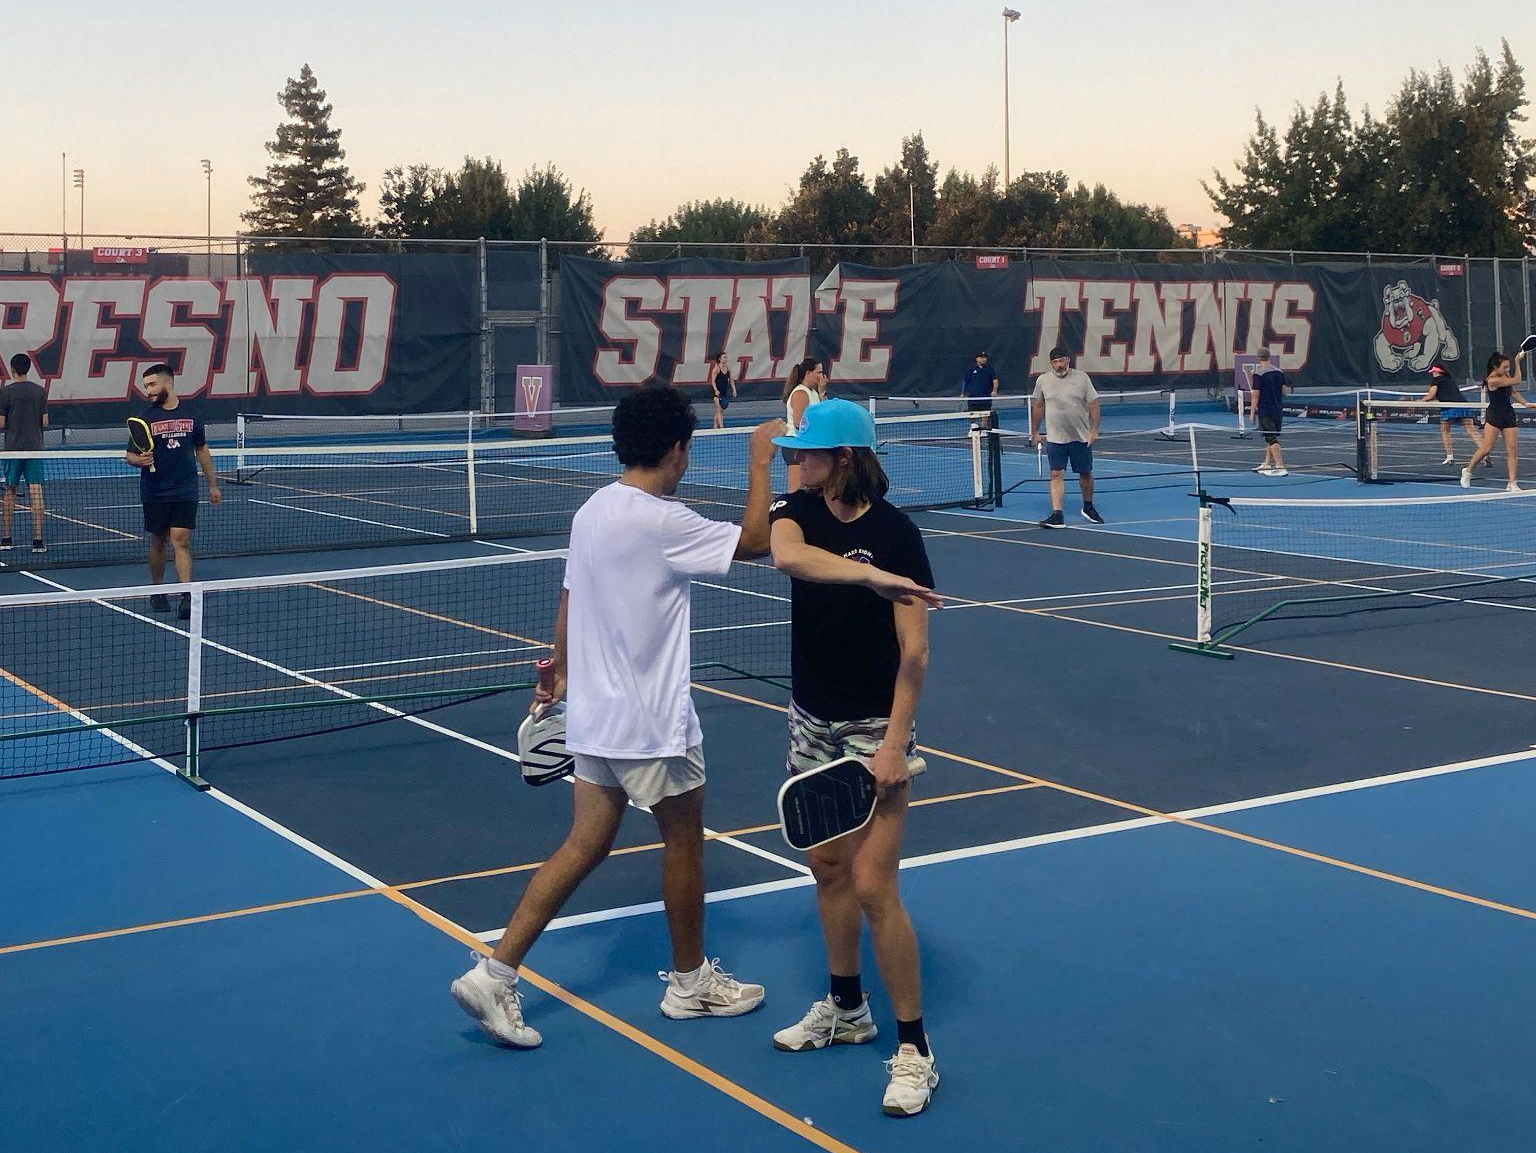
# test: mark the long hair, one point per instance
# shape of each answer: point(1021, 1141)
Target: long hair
point(1497, 360)
point(796, 376)
point(857, 479)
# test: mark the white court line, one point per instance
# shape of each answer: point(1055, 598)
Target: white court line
point(993, 849)
point(354, 519)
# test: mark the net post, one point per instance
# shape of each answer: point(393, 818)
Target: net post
point(190, 766)
point(239, 440)
point(469, 472)
point(1202, 645)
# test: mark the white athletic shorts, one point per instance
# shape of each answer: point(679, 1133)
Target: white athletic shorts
point(648, 781)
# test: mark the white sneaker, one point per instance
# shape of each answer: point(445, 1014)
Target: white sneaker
point(496, 1006)
point(1466, 478)
point(1277, 472)
point(1512, 486)
point(825, 1024)
point(715, 994)
point(913, 1080)
point(1449, 459)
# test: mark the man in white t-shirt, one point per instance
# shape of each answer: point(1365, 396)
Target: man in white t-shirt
point(1068, 404)
point(622, 659)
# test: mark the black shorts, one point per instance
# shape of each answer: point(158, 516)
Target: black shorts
point(1269, 425)
point(161, 516)
point(978, 404)
point(1499, 420)
point(725, 400)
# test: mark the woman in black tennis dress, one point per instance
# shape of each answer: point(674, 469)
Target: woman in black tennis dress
point(722, 386)
point(1502, 384)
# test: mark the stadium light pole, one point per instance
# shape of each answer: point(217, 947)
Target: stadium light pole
point(80, 184)
point(208, 176)
point(1009, 17)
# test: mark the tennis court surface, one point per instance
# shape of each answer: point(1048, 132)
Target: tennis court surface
point(1284, 901)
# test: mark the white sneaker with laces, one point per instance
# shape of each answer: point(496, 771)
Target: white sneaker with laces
point(1466, 478)
point(913, 1080)
point(715, 994)
point(1513, 486)
point(495, 1005)
point(825, 1024)
point(1449, 459)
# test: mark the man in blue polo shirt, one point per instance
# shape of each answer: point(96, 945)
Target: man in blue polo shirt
point(1267, 410)
point(980, 385)
point(168, 481)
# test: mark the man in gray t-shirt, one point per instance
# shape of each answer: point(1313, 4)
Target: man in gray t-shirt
point(1066, 401)
point(24, 416)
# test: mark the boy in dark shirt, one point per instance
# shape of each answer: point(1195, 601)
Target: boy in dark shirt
point(1268, 411)
point(859, 650)
point(168, 492)
point(24, 416)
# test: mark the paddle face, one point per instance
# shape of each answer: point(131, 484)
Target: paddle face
point(1529, 343)
point(826, 802)
point(140, 439)
point(541, 737)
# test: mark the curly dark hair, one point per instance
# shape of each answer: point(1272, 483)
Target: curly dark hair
point(648, 422)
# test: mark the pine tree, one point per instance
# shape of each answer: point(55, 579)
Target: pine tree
point(307, 189)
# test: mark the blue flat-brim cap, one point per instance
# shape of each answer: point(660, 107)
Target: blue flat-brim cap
point(832, 424)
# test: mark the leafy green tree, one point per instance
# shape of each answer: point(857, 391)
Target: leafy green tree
point(307, 189)
point(723, 225)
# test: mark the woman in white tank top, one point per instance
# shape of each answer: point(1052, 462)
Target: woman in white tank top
point(807, 385)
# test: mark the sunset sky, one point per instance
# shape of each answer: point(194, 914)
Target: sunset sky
point(649, 105)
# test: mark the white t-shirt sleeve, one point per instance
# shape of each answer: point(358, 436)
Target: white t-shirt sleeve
point(1092, 393)
point(697, 546)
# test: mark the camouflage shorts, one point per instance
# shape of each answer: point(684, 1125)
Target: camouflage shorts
point(813, 743)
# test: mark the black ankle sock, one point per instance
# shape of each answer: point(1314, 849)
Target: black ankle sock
point(911, 1033)
point(847, 992)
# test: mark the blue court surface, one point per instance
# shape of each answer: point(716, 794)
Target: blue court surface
point(1165, 902)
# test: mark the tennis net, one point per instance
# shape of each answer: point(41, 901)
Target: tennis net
point(293, 498)
point(106, 677)
point(1261, 561)
point(1414, 440)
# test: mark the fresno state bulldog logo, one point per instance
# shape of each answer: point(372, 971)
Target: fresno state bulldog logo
point(1413, 331)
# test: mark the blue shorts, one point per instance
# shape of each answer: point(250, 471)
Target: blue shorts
point(20, 472)
point(1452, 415)
point(1078, 452)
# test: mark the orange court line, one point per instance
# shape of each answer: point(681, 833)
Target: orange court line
point(1190, 822)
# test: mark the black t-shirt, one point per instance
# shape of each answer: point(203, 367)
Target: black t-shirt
point(177, 433)
point(23, 403)
point(844, 655)
point(1271, 388)
point(1447, 391)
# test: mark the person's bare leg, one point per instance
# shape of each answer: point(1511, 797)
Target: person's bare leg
point(1058, 489)
point(181, 542)
point(875, 870)
point(680, 820)
point(1490, 434)
point(157, 545)
point(1512, 453)
point(841, 918)
point(1085, 486)
point(37, 513)
point(9, 510)
point(596, 813)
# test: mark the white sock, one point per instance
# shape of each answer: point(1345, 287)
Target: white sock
point(505, 972)
point(687, 981)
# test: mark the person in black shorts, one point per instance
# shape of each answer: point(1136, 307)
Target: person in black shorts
point(980, 385)
point(169, 492)
point(1267, 410)
point(24, 417)
point(1499, 420)
point(1444, 390)
point(722, 386)
point(859, 596)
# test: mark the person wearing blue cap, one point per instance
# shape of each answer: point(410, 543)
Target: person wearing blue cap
point(980, 384)
point(860, 590)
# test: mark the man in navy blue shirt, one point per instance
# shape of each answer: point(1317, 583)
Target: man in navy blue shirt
point(1267, 409)
point(980, 385)
point(168, 490)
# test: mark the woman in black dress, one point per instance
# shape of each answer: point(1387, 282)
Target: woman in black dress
point(722, 386)
point(1502, 383)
